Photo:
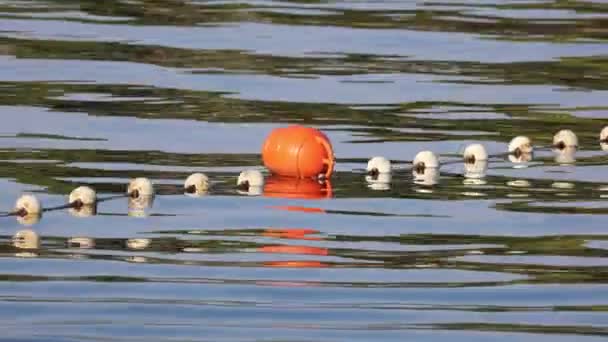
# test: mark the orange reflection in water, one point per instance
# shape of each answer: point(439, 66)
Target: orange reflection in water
point(287, 249)
point(304, 188)
point(299, 208)
point(296, 264)
point(291, 233)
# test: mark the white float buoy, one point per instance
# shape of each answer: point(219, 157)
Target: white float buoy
point(84, 211)
point(83, 195)
point(425, 159)
point(475, 152)
point(520, 145)
point(604, 139)
point(428, 176)
point(140, 187)
point(378, 165)
point(250, 182)
point(196, 184)
point(604, 134)
point(250, 178)
point(565, 138)
point(519, 159)
point(27, 204)
point(565, 155)
point(476, 170)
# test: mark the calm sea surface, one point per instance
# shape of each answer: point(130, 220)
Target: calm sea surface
point(98, 92)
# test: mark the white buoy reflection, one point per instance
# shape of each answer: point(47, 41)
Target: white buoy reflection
point(81, 242)
point(476, 170)
point(26, 239)
point(381, 181)
point(565, 156)
point(138, 244)
point(428, 176)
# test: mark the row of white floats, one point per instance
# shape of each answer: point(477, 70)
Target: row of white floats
point(140, 191)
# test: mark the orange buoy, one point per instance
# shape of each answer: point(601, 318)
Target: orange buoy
point(298, 151)
point(289, 187)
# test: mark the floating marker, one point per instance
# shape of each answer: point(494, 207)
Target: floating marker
point(424, 160)
point(520, 145)
point(378, 165)
point(298, 151)
point(197, 184)
point(27, 204)
point(604, 135)
point(604, 139)
point(250, 182)
point(428, 176)
point(565, 155)
point(565, 138)
point(83, 195)
point(476, 170)
point(475, 152)
point(139, 187)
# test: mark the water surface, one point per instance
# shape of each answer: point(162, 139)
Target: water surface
point(96, 93)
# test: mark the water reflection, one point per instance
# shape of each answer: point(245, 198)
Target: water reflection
point(519, 183)
point(565, 156)
point(291, 233)
point(81, 242)
point(429, 176)
point(305, 188)
point(291, 249)
point(380, 182)
point(476, 170)
point(26, 239)
point(138, 244)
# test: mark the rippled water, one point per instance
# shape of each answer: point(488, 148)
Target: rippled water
point(97, 92)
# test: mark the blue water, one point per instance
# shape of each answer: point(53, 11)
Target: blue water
point(97, 93)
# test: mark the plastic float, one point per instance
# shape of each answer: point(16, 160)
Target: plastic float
point(298, 151)
point(565, 138)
